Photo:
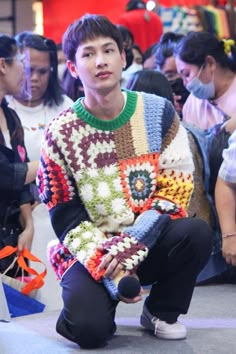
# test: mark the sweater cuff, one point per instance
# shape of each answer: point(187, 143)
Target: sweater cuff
point(148, 227)
point(127, 250)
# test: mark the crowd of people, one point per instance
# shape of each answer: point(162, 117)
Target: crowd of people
point(130, 144)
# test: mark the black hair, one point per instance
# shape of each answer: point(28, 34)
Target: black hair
point(151, 81)
point(135, 5)
point(137, 47)
point(126, 34)
point(196, 46)
point(59, 46)
point(72, 86)
point(20, 37)
point(8, 49)
point(26, 39)
point(165, 47)
point(149, 51)
point(86, 28)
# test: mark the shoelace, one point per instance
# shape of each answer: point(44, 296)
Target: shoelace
point(156, 322)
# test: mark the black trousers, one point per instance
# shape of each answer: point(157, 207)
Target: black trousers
point(172, 266)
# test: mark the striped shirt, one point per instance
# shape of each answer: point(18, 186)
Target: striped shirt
point(228, 167)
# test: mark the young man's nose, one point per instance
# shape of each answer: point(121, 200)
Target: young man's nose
point(100, 59)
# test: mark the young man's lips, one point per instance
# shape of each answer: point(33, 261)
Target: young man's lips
point(103, 74)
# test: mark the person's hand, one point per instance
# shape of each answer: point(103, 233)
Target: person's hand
point(230, 125)
point(229, 250)
point(25, 239)
point(177, 104)
point(112, 266)
point(36, 203)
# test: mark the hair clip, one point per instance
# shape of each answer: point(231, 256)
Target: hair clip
point(228, 44)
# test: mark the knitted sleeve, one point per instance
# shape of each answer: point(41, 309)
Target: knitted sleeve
point(175, 174)
point(129, 247)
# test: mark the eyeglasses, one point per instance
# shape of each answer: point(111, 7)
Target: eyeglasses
point(38, 71)
point(19, 57)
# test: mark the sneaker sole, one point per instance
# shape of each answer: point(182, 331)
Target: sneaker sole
point(176, 336)
point(161, 335)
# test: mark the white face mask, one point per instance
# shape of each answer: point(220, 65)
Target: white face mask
point(61, 68)
point(200, 90)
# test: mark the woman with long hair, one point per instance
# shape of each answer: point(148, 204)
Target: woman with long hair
point(16, 170)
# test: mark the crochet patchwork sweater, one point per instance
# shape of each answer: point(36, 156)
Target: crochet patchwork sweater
point(114, 183)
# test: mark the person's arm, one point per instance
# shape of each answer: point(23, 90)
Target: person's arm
point(14, 175)
point(26, 220)
point(32, 171)
point(230, 125)
point(225, 199)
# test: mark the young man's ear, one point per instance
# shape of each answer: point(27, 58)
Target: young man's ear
point(123, 56)
point(72, 69)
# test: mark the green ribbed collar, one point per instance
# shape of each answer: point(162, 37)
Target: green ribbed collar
point(113, 124)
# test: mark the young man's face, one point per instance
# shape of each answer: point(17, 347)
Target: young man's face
point(98, 64)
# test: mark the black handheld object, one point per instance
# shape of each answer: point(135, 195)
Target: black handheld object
point(129, 287)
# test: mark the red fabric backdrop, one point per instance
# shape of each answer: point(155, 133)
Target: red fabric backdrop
point(58, 14)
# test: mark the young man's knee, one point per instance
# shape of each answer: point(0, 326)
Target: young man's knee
point(200, 241)
point(202, 235)
point(87, 333)
point(194, 246)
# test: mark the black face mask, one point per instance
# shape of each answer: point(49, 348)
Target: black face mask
point(179, 89)
point(129, 58)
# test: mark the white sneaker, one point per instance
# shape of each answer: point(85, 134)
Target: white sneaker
point(160, 328)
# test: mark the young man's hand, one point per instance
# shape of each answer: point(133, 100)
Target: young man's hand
point(112, 266)
point(113, 269)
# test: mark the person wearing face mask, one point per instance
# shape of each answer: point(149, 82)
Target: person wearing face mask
point(165, 63)
point(207, 66)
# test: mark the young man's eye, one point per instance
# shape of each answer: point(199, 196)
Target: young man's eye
point(109, 50)
point(86, 55)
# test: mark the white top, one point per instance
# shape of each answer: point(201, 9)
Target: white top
point(7, 139)
point(34, 120)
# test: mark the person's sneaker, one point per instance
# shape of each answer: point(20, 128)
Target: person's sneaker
point(160, 328)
